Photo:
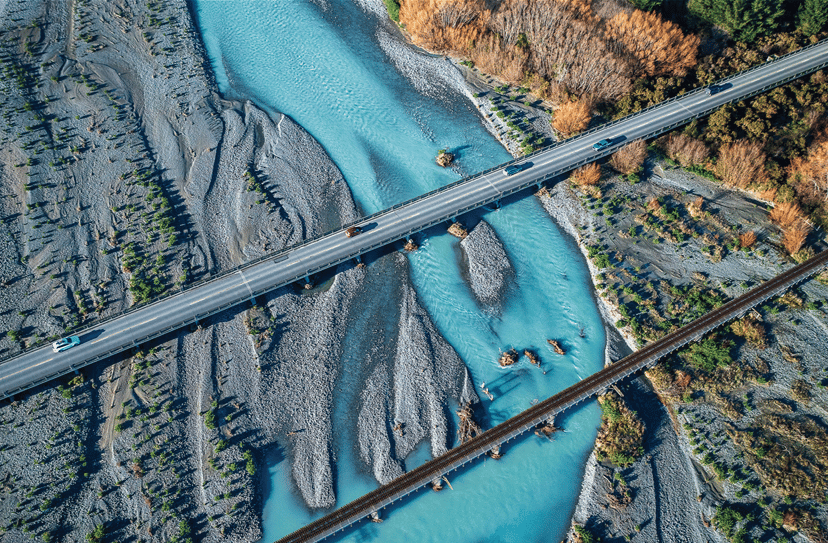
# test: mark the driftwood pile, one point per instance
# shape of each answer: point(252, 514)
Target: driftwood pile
point(533, 358)
point(457, 230)
point(508, 358)
point(556, 346)
point(468, 428)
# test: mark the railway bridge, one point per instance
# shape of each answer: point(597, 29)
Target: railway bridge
point(369, 504)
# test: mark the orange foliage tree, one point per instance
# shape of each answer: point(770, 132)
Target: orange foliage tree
point(589, 175)
point(809, 175)
point(630, 158)
point(552, 45)
point(659, 46)
point(572, 117)
point(740, 164)
point(686, 150)
point(786, 214)
point(793, 237)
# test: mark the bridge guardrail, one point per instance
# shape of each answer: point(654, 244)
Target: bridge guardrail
point(283, 253)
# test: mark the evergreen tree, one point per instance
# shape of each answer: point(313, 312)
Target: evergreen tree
point(813, 15)
point(744, 20)
point(647, 5)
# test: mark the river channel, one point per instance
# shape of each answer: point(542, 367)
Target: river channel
point(321, 63)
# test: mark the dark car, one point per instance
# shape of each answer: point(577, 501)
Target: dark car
point(603, 144)
point(713, 89)
point(515, 168)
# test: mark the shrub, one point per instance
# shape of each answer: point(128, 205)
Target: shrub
point(589, 175)
point(747, 239)
point(583, 535)
point(572, 117)
point(621, 435)
point(709, 353)
point(210, 420)
point(726, 519)
point(97, 534)
point(752, 330)
point(393, 8)
point(630, 158)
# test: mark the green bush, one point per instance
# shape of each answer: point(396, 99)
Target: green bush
point(726, 519)
point(709, 353)
point(393, 7)
point(210, 420)
point(584, 534)
point(97, 534)
point(601, 261)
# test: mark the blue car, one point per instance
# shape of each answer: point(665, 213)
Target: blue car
point(515, 168)
point(65, 343)
point(603, 144)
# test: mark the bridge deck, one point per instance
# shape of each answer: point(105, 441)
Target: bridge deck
point(140, 324)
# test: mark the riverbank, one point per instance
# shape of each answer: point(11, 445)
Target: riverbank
point(669, 493)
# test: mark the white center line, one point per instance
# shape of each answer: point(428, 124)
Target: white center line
point(246, 283)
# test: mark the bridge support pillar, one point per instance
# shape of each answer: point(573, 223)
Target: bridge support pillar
point(495, 452)
point(375, 517)
point(437, 485)
point(308, 283)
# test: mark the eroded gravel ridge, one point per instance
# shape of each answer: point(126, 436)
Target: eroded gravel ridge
point(489, 268)
point(411, 390)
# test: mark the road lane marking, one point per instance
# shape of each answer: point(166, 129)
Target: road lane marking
point(124, 330)
point(213, 295)
point(246, 283)
point(27, 368)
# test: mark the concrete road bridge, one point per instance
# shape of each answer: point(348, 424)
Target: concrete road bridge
point(143, 323)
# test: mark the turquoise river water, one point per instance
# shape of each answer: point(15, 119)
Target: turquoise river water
point(321, 64)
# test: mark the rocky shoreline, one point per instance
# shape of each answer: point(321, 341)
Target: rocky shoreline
point(670, 495)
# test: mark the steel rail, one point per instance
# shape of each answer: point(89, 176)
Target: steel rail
point(598, 382)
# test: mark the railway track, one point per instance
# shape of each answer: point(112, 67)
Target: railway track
point(417, 478)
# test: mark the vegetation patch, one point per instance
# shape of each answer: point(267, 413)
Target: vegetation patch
point(620, 439)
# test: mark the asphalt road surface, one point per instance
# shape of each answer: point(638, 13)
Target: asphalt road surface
point(118, 334)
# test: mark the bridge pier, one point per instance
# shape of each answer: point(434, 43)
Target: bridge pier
point(374, 516)
point(308, 283)
point(437, 485)
point(495, 452)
